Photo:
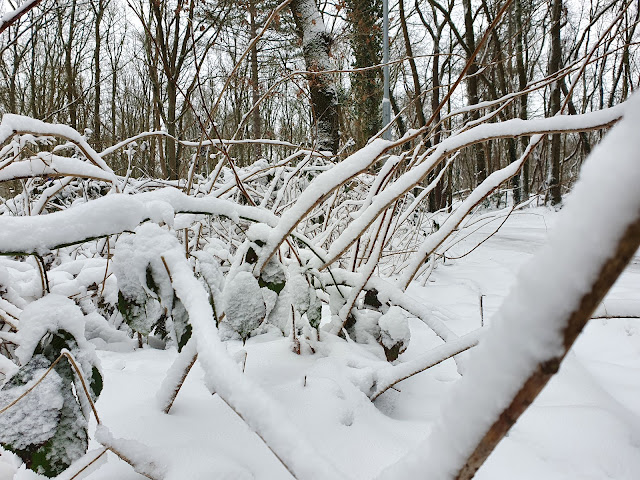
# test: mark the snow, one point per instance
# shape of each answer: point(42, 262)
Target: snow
point(429, 313)
point(528, 328)
point(394, 328)
point(175, 375)
point(204, 143)
point(47, 164)
point(222, 375)
point(84, 466)
point(449, 145)
point(7, 367)
point(113, 214)
point(135, 254)
point(243, 304)
point(103, 335)
point(584, 425)
point(12, 124)
point(322, 185)
point(136, 452)
point(11, 16)
point(34, 418)
point(314, 410)
point(389, 376)
point(49, 314)
point(104, 216)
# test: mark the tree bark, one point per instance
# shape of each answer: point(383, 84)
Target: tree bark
point(97, 133)
point(608, 274)
point(555, 61)
point(417, 91)
point(316, 45)
point(364, 17)
point(472, 88)
point(522, 84)
point(68, 64)
point(255, 85)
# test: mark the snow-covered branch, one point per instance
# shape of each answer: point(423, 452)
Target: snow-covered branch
point(12, 16)
point(507, 129)
point(114, 214)
point(538, 322)
point(50, 165)
point(387, 378)
point(322, 186)
point(223, 376)
point(20, 125)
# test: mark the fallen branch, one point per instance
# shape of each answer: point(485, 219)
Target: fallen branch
point(222, 375)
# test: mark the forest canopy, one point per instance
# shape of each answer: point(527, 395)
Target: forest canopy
point(201, 188)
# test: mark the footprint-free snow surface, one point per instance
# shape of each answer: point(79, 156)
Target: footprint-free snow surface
point(584, 425)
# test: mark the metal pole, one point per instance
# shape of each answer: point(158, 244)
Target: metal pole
point(386, 104)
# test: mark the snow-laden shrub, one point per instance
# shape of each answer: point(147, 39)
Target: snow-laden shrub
point(146, 298)
point(287, 287)
point(394, 333)
point(243, 304)
point(47, 428)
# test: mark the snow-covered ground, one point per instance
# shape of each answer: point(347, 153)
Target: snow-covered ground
point(585, 424)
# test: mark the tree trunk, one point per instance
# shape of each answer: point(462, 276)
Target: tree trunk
point(402, 128)
point(255, 85)
point(472, 88)
point(170, 144)
point(13, 78)
point(32, 73)
point(555, 60)
point(366, 89)
point(316, 44)
point(68, 65)
point(97, 134)
point(522, 84)
point(417, 91)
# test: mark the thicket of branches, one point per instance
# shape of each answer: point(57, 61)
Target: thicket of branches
point(119, 69)
point(158, 161)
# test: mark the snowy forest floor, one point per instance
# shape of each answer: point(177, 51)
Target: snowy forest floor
point(585, 424)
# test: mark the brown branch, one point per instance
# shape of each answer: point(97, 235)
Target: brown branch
point(178, 386)
point(75, 475)
point(532, 387)
point(11, 20)
point(74, 365)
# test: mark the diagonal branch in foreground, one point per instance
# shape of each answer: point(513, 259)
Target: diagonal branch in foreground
point(554, 297)
point(609, 272)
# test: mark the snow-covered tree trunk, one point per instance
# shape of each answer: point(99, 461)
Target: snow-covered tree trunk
point(316, 44)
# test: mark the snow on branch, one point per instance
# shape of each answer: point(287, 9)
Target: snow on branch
point(204, 143)
point(136, 454)
point(113, 214)
point(176, 375)
point(388, 377)
point(46, 164)
point(223, 376)
point(11, 17)
point(322, 186)
point(555, 295)
point(19, 125)
point(509, 128)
